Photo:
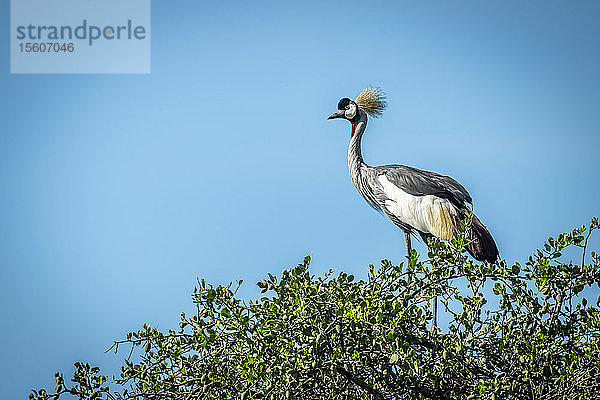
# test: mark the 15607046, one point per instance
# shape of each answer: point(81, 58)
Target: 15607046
point(47, 47)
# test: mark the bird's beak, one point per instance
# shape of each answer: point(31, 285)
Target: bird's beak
point(339, 114)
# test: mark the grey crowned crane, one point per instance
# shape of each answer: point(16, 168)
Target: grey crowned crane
point(418, 201)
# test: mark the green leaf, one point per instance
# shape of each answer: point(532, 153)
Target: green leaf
point(294, 342)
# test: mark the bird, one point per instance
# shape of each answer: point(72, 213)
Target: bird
point(417, 201)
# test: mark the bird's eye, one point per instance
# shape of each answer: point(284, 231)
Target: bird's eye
point(350, 111)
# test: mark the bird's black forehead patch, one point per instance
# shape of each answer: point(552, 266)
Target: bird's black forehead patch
point(343, 103)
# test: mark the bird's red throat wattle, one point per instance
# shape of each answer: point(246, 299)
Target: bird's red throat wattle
point(352, 130)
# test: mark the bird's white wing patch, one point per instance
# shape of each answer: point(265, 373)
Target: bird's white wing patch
point(428, 214)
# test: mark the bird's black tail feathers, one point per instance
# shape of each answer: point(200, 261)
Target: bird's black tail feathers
point(482, 246)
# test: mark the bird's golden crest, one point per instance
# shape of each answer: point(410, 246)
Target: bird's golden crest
point(372, 101)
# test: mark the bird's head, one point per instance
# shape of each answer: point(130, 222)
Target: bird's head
point(370, 101)
point(347, 109)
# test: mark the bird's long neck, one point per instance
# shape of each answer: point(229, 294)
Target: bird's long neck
point(359, 170)
point(355, 160)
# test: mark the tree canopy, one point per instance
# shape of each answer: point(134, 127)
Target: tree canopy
point(522, 331)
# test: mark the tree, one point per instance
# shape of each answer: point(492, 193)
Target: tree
point(524, 331)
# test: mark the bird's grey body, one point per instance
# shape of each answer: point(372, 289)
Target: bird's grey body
point(371, 182)
point(416, 201)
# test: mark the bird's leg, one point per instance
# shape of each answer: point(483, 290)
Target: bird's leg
point(433, 305)
point(434, 310)
point(408, 251)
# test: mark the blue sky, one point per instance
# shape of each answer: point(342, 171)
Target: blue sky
point(118, 190)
